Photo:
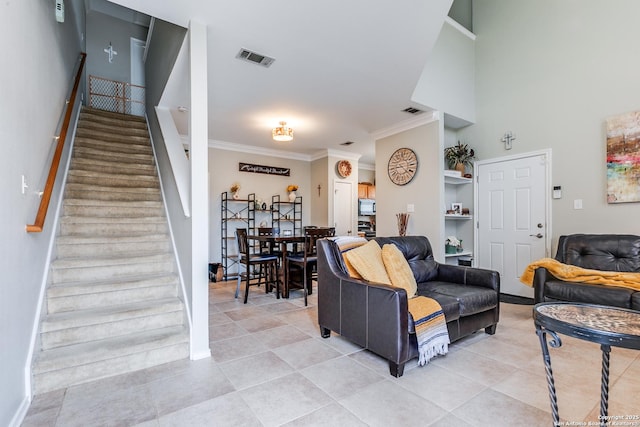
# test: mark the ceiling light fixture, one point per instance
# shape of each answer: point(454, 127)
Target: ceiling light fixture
point(282, 132)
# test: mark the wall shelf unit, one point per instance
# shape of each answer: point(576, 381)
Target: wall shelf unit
point(458, 189)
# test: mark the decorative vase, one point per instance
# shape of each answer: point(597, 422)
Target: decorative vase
point(460, 168)
point(292, 196)
point(235, 196)
point(449, 249)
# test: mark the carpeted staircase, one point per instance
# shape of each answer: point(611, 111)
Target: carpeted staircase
point(112, 303)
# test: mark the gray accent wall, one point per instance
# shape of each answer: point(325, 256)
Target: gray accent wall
point(102, 29)
point(551, 73)
point(41, 56)
point(163, 49)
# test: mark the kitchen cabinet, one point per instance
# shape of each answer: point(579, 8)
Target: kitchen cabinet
point(366, 190)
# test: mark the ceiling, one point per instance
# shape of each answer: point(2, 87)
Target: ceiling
point(343, 70)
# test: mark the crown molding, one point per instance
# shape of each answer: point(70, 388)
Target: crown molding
point(250, 149)
point(422, 119)
point(347, 155)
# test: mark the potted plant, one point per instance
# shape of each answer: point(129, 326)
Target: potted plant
point(452, 245)
point(291, 189)
point(459, 156)
point(234, 191)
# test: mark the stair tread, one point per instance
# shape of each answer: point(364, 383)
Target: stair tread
point(111, 189)
point(94, 351)
point(111, 114)
point(90, 240)
point(106, 261)
point(63, 289)
point(114, 203)
point(108, 175)
point(93, 316)
point(117, 220)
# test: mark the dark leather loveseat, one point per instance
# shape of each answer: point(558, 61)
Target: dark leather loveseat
point(607, 252)
point(375, 316)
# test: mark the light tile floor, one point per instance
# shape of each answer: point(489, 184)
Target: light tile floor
point(270, 367)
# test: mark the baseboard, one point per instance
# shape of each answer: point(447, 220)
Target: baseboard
point(200, 355)
point(21, 413)
point(515, 299)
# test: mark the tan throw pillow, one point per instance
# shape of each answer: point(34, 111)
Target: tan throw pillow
point(398, 269)
point(367, 261)
point(352, 271)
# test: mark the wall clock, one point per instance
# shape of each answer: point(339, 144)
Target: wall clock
point(343, 167)
point(403, 165)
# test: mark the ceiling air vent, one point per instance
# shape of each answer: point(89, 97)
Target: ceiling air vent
point(347, 143)
point(413, 111)
point(256, 58)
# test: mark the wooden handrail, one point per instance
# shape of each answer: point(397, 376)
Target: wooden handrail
point(37, 226)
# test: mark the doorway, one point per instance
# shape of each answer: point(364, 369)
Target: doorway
point(513, 213)
point(137, 48)
point(343, 200)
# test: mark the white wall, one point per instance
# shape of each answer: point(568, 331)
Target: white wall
point(552, 72)
point(425, 191)
point(40, 58)
point(223, 172)
point(447, 81)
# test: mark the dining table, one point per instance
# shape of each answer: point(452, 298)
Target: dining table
point(283, 241)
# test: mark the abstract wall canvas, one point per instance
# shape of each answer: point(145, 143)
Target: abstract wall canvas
point(623, 158)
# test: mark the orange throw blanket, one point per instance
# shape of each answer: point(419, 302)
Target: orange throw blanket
point(431, 328)
point(572, 273)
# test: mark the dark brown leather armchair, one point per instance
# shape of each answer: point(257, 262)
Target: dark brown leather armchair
point(376, 316)
point(607, 252)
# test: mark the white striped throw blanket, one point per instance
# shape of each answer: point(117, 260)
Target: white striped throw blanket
point(431, 328)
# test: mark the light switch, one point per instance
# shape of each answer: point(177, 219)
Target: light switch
point(411, 207)
point(577, 204)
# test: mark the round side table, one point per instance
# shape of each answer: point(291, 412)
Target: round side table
point(607, 326)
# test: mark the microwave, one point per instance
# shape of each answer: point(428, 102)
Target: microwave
point(366, 207)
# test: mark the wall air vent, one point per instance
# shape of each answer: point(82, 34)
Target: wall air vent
point(253, 57)
point(413, 111)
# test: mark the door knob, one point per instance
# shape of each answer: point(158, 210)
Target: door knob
point(539, 235)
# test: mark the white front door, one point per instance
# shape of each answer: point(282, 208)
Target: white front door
point(343, 200)
point(513, 227)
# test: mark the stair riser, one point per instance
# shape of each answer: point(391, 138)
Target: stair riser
point(63, 378)
point(111, 131)
point(118, 328)
point(114, 119)
point(90, 165)
point(112, 196)
point(115, 181)
point(65, 275)
point(120, 249)
point(113, 147)
point(86, 301)
point(90, 153)
point(109, 287)
point(112, 211)
point(111, 229)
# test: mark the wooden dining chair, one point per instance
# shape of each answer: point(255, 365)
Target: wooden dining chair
point(301, 267)
point(267, 267)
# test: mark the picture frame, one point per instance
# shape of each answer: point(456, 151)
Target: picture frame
point(456, 208)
